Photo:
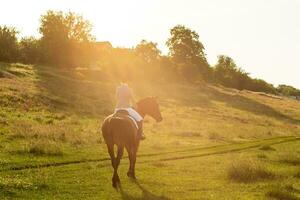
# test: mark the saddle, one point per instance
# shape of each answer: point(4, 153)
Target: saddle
point(121, 113)
point(125, 113)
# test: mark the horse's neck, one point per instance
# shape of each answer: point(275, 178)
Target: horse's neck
point(141, 111)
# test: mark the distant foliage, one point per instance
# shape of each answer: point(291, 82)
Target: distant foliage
point(156, 66)
point(65, 38)
point(29, 50)
point(227, 73)
point(288, 90)
point(187, 52)
point(66, 41)
point(148, 51)
point(8, 44)
point(260, 85)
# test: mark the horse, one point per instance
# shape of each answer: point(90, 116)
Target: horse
point(120, 130)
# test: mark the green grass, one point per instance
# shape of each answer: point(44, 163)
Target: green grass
point(284, 193)
point(214, 142)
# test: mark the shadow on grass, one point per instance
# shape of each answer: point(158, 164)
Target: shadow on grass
point(12, 70)
point(243, 103)
point(6, 194)
point(90, 92)
point(82, 92)
point(146, 195)
point(203, 96)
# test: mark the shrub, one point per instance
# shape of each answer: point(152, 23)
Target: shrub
point(281, 194)
point(44, 147)
point(248, 171)
point(262, 156)
point(290, 159)
point(215, 136)
point(39, 143)
point(297, 175)
point(267, 148)
point(29, 49)
point(8, 44)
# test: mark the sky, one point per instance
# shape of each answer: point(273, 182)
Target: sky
point(262, 36)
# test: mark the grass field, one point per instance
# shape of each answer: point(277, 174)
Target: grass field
point(214, 142)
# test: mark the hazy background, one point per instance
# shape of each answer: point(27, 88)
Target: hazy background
point(262, 36)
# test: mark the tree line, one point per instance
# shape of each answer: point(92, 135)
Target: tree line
point(66, 41)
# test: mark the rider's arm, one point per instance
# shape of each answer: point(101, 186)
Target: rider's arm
point(132, 98)
point(117, 94)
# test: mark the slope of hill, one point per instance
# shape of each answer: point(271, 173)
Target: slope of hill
point(51, 117)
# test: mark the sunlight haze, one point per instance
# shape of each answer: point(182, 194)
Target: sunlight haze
point(262, 36)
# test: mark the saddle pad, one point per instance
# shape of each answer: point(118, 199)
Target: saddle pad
point(133, 121)
point(127, 115)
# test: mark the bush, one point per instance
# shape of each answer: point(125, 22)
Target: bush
point(282, 193)
point(227, 73)
point(266, 148)
point(248, 171)
point(8, 44)
point(297, 175)
point(288, 90)
point(29, 50)
point(290, 159)
point(44, 147)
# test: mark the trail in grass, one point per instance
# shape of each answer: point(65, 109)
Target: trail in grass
point(171, 155)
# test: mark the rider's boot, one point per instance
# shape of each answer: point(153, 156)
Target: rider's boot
point(140, 130)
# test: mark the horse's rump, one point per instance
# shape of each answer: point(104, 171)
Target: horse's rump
point(119, 129)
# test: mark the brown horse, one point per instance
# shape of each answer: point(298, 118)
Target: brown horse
point(119, 129)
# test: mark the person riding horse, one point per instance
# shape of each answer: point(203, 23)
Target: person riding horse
point(126, 101)
point(124, 128)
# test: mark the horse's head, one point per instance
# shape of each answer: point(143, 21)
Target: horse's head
point(149, 106)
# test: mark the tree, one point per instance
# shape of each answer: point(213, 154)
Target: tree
point(64, 36)
point(229, 74)
point(226, 71)
point(8, 44)
point(260, 85)
point(29, 50)
point(167, 69)
point(148, 51)
point(288, 90)
point(185, 49)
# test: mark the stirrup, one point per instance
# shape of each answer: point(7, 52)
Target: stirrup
point(142, 137)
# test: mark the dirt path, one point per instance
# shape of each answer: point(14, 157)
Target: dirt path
point(173, 155)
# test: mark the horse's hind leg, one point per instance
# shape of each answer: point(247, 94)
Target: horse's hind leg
point(116, 179)
point(132, 160)
point(110, 148)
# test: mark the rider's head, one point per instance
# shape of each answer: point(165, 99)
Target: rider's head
point(124, 80)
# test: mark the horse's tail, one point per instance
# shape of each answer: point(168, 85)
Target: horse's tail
point(111, 123)
point(121, 124)
point(116, 118)
point(119, 130)
point(117, 121)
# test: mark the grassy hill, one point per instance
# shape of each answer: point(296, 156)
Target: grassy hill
point(214, 142)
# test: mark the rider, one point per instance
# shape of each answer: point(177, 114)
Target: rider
point(125, 101)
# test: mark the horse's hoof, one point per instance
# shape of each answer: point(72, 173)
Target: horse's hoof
point(131, 175)
point(116, 184)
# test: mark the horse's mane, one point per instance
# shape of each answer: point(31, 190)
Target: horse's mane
point(145, 98)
